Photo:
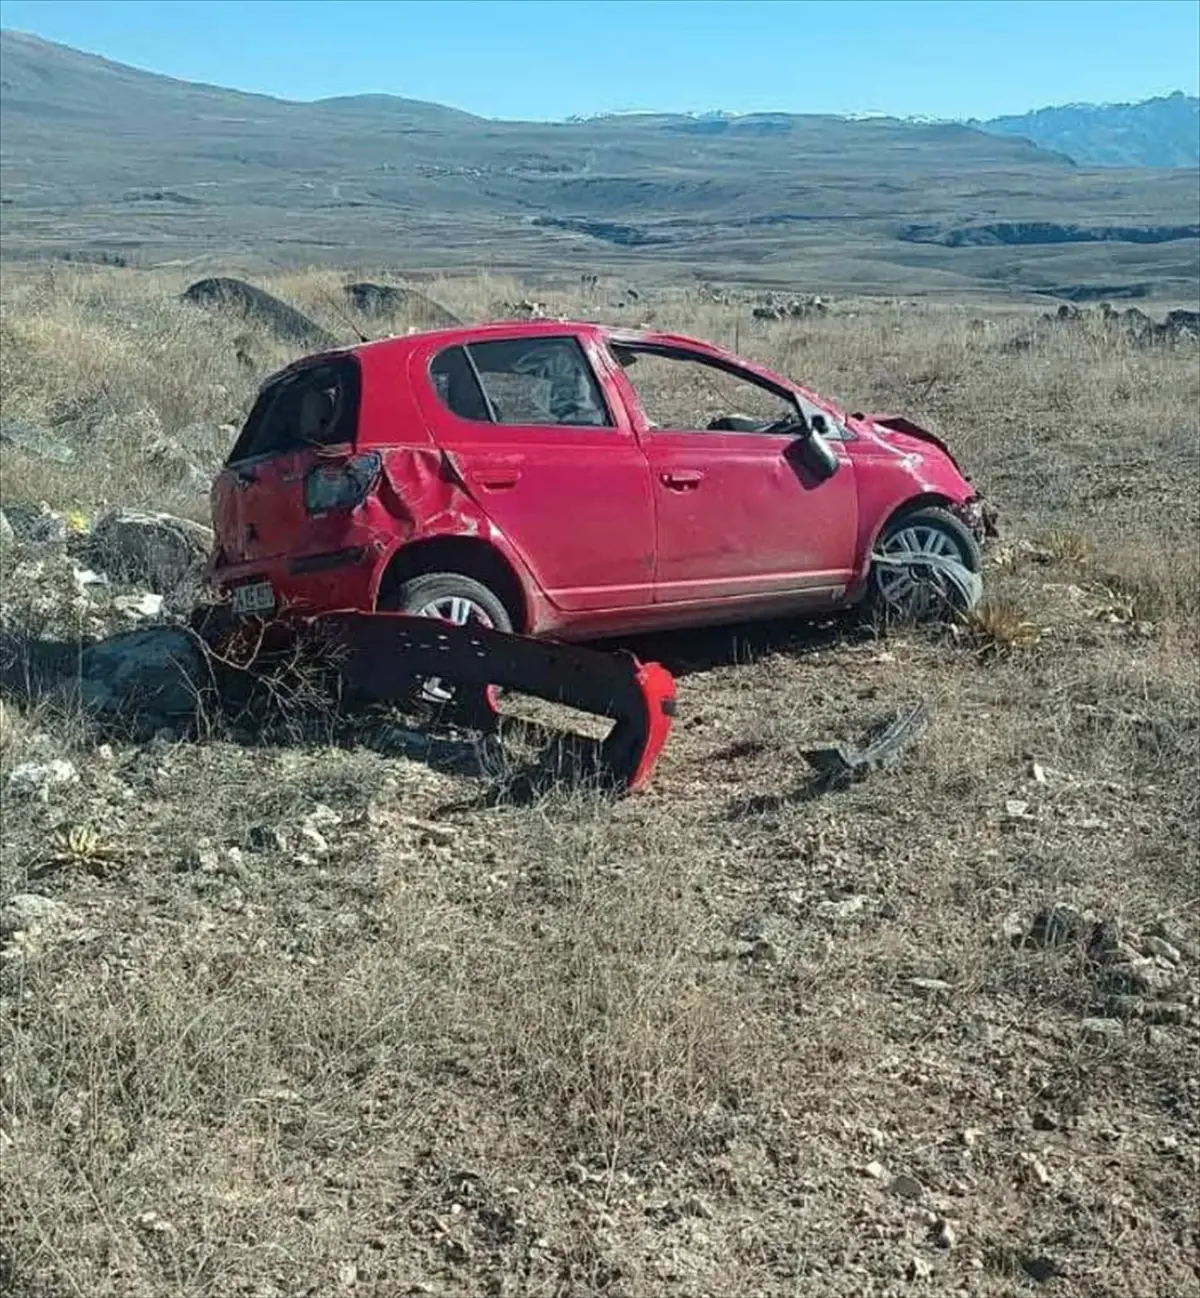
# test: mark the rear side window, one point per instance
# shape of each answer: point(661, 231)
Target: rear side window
point(521, 381)
point(315, 406)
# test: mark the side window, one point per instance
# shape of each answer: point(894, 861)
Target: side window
point(689, 393)
point(521, 381)
point(456, 385)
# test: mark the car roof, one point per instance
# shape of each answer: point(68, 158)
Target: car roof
point(457, 335)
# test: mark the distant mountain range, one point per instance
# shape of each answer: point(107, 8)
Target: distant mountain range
point(1162, 132)
point(104, 162)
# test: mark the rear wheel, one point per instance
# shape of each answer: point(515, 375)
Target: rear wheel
point(915, 576)
point(452, 597)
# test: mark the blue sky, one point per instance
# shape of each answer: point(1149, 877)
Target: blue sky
point(548, 59)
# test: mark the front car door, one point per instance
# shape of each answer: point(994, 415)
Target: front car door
point(528, 428)
point(737, 515)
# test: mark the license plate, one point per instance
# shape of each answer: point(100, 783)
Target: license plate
point(257, 597)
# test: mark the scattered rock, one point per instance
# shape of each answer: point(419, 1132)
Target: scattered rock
point(907, 1187)
point(875, 1171)
point(1057, 925)
point(944, 1235)
point(375, 300)
point(139, 606)
point(1042, 1268)
point(149, 679)
point(85, 578)
point(39, 525)
point(1141, 975)
point(839, 912)
point(156, 550)
point(37, 778)
point(918, 1269)
point(255, 304)
point(35, 441)
point(1167, 1012)
point(315, 839)
point(27, 912)
point(1102, 1031)
point(442, 835)
point(1163, 949)
point(796, 308)
point(267, 838)
point(930, 988)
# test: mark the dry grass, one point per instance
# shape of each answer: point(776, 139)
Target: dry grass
point(585, 1048)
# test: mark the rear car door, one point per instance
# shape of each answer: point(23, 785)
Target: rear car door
point(737, 515)
point(556, 469)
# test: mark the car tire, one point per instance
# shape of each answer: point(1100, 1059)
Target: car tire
point(423, 596)
point(931, 530)
point(452, 593)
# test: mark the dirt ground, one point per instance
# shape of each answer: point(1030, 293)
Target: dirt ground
point(306, 1013)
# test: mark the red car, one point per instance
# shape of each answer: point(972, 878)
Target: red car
point(578, 481)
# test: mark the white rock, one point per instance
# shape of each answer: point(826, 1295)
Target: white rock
point(1162, 948)
point(316, 840)
point(27, 910)
point(37, 778)
point(85, 577)
point(139, 606)
point(844, 909)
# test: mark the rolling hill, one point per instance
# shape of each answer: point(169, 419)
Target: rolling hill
point(104, 161)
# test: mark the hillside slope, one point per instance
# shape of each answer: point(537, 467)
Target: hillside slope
point(102, 160)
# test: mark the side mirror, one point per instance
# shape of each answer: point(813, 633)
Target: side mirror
point(817, 455)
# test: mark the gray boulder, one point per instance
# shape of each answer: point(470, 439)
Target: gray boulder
point(38, 442)
point(149, 679)
point(158, 551)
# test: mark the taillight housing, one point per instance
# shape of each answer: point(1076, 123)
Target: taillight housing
point(343, 485)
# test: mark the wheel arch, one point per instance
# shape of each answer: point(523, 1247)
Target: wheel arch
point(470, 556)
point(922, 500)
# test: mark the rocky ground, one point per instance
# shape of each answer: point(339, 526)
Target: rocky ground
point(303, 1008)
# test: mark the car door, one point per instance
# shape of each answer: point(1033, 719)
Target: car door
point(554, 467)
point(737, 515)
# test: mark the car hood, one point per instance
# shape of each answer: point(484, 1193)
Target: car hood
point(902, 433)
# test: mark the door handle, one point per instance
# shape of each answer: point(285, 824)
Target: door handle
point(682, 479)
point(497, 479)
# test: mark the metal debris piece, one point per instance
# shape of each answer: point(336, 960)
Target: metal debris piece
point(968, 584)
point(842, 762)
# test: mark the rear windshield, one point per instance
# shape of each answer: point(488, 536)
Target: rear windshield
point(315, 406)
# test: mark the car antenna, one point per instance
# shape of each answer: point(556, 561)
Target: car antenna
point(345, 319)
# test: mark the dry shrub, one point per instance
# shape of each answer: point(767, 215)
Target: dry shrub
point(1000, 626)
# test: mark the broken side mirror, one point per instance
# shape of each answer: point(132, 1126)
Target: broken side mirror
point(817, 455)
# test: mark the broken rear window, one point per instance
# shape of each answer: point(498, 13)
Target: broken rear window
point(315, 406)
point(521, 381)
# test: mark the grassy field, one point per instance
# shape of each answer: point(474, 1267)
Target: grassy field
point(317, 1018)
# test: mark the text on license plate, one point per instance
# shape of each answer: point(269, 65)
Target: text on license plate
point(257, 597)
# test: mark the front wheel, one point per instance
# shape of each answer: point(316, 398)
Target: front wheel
point(926, 563)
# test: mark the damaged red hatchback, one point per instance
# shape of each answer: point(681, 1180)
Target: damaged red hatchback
point(578, 481)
